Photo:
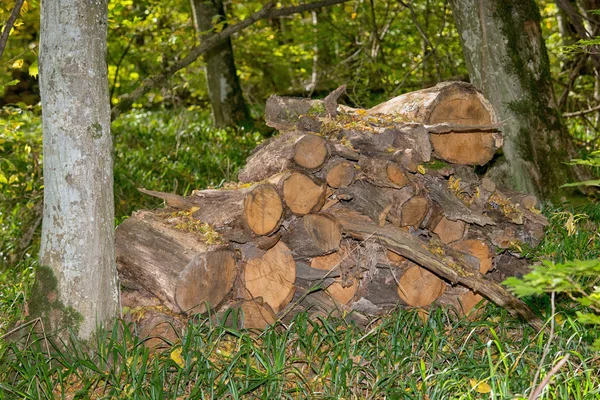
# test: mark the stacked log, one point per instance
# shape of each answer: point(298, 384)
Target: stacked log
point(346, 211)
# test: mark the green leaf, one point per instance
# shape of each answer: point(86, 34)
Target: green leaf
point(3, 178)
point(11, 83)
point(33, 69)
point(586, 183)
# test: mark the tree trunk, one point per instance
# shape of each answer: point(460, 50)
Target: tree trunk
point(224, 90)
point(76, 284)
point(507, 59)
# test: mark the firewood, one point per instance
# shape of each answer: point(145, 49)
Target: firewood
point(418, 287)
point(391, 142)
point(313, 235)
point(241, 213)
point(158, 255)
point(413, 249)
point(479, 249)
point(249, 314)
point(342, 294)
point(414, 211)
point(455, 102)
point(369, 200)
point(288, 151)
point(449, 231)
point(310, 152)
point(339, 173)
point(206, 280)
point(382, 173)
point(271, 275)
point(289, 113)
point(302, 194)
point(458, 105)
point(474, 148)
point(420, 234)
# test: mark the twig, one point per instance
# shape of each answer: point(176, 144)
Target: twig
point(208, 43)
point(538, 391)
point(9, 25)
point(582, 112)
point(424, 36)
point(547, 347)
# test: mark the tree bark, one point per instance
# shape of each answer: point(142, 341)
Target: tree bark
point(77, 274)
point(507, 59)
point(224, 90)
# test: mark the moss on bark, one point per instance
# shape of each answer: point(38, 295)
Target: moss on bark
point(45, 304)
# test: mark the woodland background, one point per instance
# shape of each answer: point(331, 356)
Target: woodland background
point(168, 142)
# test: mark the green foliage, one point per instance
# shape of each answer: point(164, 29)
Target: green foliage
point(593, 161)
point(173, 152)
point(20, 179)
point(572, 235)
point(577, 279)
point(399, 357)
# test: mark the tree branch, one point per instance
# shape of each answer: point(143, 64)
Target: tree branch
point(582, 112)
point(9, 25)
point(209, 42)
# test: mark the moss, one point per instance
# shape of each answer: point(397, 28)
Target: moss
point(435, 164)
point(317, 108)
point(45, 303)
point(543, 140)
point(95, 130)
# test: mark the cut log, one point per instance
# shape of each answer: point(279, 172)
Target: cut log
point(289, 113)
point(205, 281)
point(271, 276)
point(382, 173)
point(459, 106)
point(310, 152)
point(478, 249)
point(414, 211)
point(342, 294)
point(241, 214)
point(153, 254)
point(288, 151)
point(370, 200)
point(249, 314)
point(453, 102)
point(453, 208)
point(313, 235)
point(302, 194)
point(339, 174)
point(418, 287)
point(449, 231)
point(389, 143)
point(406, 245)
point(472, 148)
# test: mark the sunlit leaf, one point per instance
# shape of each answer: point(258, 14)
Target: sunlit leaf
point(17, 64)
point(176, 356)
point(33, 69)
point(480, 386)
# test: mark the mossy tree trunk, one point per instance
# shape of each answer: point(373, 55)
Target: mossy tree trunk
point(77, 285)
point(224, 90)
point(507, 59)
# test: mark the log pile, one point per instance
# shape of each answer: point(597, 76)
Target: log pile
point(345, 211)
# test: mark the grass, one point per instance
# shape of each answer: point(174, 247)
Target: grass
point(398, 357)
